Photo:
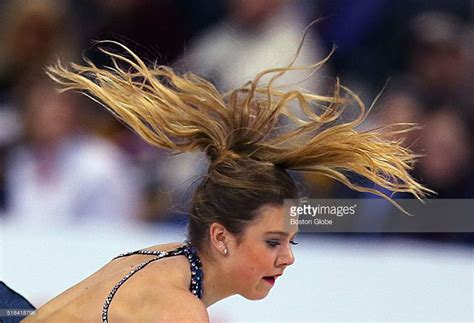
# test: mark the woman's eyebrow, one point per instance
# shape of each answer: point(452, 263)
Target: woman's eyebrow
point(282, 233)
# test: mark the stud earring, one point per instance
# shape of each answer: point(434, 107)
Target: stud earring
point(226, 251)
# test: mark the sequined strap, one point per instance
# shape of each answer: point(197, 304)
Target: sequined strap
point(108, 300)
point(187, 250)
point(143, 252)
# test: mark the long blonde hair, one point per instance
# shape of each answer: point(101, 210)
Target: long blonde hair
point(249, 131)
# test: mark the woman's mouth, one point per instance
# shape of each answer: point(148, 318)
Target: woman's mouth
point(270, 279)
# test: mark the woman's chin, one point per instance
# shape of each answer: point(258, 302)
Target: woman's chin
point(255, 296)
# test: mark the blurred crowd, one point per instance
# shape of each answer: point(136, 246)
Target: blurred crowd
point(64, 160)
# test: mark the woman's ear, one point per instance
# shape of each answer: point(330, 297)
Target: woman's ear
point(219, 237)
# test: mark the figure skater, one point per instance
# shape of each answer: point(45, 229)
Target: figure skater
point(237, 241)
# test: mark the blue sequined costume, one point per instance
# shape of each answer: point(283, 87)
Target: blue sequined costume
point(186, 250)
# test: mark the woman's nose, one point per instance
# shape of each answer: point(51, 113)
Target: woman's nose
point(286, 259)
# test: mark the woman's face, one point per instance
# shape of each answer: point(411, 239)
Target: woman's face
point(263, 253)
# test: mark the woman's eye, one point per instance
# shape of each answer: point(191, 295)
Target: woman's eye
point(273, 243)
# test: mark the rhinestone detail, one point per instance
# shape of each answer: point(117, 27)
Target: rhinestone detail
point(187, 250)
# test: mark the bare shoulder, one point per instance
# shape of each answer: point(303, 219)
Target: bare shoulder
point(183, 306)
point(165, 246)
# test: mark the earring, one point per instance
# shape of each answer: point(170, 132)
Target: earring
point(225, 251)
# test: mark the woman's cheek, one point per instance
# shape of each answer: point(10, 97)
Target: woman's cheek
point(252, 268)
point(263, 262)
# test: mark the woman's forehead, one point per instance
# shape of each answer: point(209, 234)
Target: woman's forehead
point(270, 218)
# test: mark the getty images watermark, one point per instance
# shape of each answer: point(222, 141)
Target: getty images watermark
point(299, 213)
point(380, 215)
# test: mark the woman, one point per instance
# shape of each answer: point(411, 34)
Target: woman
point(237, 239)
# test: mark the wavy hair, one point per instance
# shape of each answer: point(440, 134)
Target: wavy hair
point(252, 131)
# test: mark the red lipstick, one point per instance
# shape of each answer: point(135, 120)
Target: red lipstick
point(270, 280)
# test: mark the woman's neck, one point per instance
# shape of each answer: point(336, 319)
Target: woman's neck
point(215, 281)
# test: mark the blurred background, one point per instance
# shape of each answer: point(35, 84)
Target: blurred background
point(73, 177)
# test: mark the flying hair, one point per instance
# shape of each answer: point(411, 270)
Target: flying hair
point(255, 125)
